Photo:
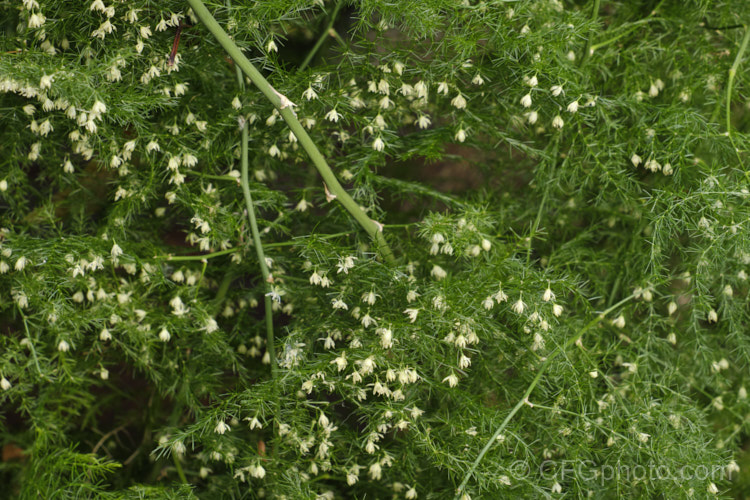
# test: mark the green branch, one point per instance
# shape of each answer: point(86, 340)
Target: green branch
point(525, 398)
point(267, 277)
point(631, 27)
point(328, 32)
point(730, 86)
point(594, 16)
point(285, 106)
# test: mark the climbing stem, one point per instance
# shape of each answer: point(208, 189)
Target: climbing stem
point(525, 398)
point(250, 207)
point(594, 17)
point(730, 85)
point(284, 106)
point(326, 33)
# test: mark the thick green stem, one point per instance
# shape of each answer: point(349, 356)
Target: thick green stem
point(630, 28)
point(594, 16)
point(730, 86)
point(285, 106)
point(323, 36)
point(267, 278)
point(525, 398)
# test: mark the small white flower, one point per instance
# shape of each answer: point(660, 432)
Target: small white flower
point(460, 135)
point(412, 314)
point(573, 107)
point(652, 165)
point(63, 346)
point(557, 310)
point(386, 337)
point(211, 325)
point(21, 263)
point(22, 300)
point(556, 90)
point(339, 304)
point(423, 121)
point(385, 103)
point(189, 160)
point(221, 427)
point(712, 316)
point(257, 471)
point(451, 379)
point(116, 250)
point(303, 205)
point(557, 122)
point(333, 116)
point(271, 47)
point(488, 303)
point(309, 94)
point(526, 101)
point(442, 88)
point(375, 472)
point(378, 144)
point(438, 272)
point(36, 20)
point(532, 117)
point(532, 82)
point(104, 335)
point(98, 108)
point(369, 297)
point(477, 80)
point(45, 82)
point(340, 362)
point(459, 102)
point(164, 335)
point(635, 160)
point(5, 384)
point(519, 306)
point(345, 264)
point(548, 295)
point(619, 321)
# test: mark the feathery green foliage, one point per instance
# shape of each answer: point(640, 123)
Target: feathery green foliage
point(557, 303)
